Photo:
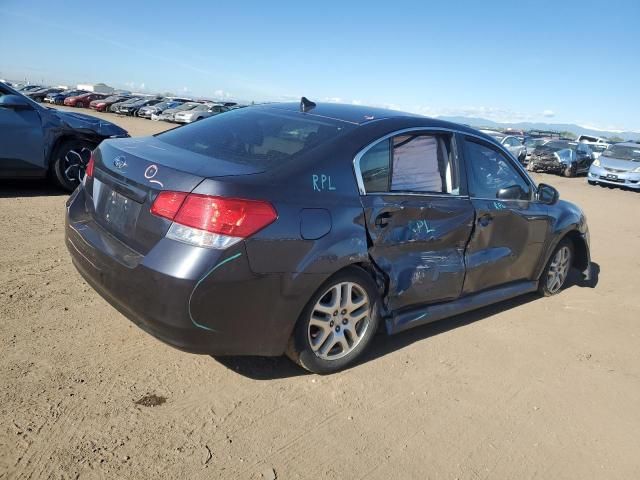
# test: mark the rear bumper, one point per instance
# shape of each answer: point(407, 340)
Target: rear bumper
point(625, 179)
point(218, 307)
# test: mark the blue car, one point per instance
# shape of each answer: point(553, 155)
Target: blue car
point(58, 98)
point(37, 141)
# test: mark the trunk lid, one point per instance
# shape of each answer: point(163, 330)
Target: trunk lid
point(129, 174)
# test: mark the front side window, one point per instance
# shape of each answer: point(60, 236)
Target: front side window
point(490, 171)
point(414, 163)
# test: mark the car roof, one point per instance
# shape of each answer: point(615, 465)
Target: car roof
point(357, 114)
point(362, 115)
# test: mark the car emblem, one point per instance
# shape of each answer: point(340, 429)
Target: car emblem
point(119, 162)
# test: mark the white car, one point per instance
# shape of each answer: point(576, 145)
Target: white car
point(510, 142)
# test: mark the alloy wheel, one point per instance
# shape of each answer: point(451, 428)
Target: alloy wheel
point(558, 269)
point(75, 163)
point(339, 320)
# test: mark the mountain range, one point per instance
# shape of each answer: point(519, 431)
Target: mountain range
point(557, 127)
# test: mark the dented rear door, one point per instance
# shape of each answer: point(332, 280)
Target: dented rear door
point(419, 242)
point(419, 218)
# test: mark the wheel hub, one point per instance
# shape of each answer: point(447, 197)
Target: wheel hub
point(558, 269)
point(339, 320)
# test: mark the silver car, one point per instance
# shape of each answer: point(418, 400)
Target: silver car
point(169, 114)
point(618, 165)
point(511, 143)
point(200, 112)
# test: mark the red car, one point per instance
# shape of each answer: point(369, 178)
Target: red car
point(83, 100)
point(103, 104)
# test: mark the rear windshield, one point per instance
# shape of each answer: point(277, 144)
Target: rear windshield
point(255, 136)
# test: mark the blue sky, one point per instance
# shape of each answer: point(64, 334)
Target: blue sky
point(560, 61)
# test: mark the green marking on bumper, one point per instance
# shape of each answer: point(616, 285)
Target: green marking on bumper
point(218, 265)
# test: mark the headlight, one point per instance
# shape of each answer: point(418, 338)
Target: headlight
point(636, 170)
point(596, 162)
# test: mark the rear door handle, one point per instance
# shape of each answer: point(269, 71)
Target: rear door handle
point(485, 219)
point(382, 220)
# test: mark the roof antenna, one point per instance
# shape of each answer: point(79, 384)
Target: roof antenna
point(306, 104)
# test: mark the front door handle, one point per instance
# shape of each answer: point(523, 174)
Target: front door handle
point(382, 220)
point(485, 219)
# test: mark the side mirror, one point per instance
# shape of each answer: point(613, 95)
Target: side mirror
point(547, 194)
point(514, 192)
point(15, 102)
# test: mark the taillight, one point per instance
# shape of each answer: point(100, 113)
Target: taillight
point(167, 204)
point(214, 222)
point(89, 170)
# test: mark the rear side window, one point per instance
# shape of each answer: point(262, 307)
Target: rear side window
point(255, 136)
point(413, 163)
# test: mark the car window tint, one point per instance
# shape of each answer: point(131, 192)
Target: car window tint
point(424, 164)
point(374, 167)
point(490, 171)
point(255, 136)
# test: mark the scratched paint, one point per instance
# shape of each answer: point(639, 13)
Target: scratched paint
point(421, 227)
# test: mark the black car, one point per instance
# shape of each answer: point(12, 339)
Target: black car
point(36, 141)
point(283, 229)
point(39, 95)
point(561, 156)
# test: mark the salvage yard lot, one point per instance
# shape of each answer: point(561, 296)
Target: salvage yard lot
point(531, 388)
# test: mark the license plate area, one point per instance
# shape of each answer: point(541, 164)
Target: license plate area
point(117, 212)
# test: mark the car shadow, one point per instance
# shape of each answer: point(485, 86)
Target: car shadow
point(271, 368)
point(29, 188)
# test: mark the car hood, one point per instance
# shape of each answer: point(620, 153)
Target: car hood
point(79, 121)
point(618, 163)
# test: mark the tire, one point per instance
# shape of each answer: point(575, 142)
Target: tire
point(591, 182)
point(555, 273)
point(326, 321)
point(570, 171)
point(79, 105)
point(69, 161)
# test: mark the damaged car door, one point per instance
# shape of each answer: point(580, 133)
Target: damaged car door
point(419, 217)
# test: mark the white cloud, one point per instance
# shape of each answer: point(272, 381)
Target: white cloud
point(333, 99)
point(222, 94)
point(549, 113)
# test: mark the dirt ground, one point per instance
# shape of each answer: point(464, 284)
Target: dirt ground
point(545, 388)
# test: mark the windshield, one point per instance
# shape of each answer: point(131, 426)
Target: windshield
point(555, 145)
point(166, 104)
point(623, 152)
point(187, 106)
point(534, 142)
point(255, 136)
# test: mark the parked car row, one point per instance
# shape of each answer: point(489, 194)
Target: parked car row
point(170, 109)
